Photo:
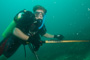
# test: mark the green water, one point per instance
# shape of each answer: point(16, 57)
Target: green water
point(70, 18)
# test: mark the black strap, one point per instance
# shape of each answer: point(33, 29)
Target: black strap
point(25, 51)
point(34, 52)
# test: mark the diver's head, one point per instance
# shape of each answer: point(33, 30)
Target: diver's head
point(39, 12)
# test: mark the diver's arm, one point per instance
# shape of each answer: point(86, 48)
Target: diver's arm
point(48, 35)
point(17, 32)
point(59, 36)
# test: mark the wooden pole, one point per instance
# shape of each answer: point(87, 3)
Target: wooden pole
point(66, 41)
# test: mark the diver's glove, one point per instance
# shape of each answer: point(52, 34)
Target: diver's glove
point(30, 39)
point(37, 44)
point(34, 41)
point(59, 37)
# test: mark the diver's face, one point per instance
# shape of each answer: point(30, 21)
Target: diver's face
point(39, 14)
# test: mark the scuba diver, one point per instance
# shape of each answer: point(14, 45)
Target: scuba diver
point(29, 29)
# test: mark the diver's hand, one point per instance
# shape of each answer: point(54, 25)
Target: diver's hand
point(37, 45)
point(59, 37)
point(35, 41)
point(30, 39)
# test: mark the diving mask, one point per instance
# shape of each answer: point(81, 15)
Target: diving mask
point(37, 14)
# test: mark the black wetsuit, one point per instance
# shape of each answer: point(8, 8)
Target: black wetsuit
point(10, 44)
